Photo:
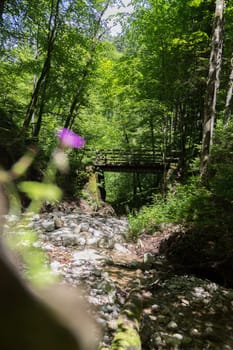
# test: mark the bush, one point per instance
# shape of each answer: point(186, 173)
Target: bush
point(187, 203)
point(221, 166)
point(192, 203)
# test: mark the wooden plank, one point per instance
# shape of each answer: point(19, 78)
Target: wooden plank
point(137, 168)
point(143, 160)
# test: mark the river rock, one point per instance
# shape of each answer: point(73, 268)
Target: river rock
point(120, 248)
point(48, 225)
point(185, 311)
point(68, 239)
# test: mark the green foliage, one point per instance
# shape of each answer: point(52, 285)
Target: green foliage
point(18, 233)
point(41, 191)
point(78, 177)
point(195, 3)
point(21, 239)
point(142, 89)
point(222, 181)
point(221, 166)
point(128, 192)
point(185, 204)
point(11, 139)
point(192, 203)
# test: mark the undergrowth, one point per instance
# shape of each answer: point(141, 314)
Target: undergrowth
point(192, 203)
point(184, 204)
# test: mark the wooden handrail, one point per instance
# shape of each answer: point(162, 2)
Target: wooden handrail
point(123, 157)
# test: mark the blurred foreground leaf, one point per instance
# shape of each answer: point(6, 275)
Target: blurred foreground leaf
point(41, 191)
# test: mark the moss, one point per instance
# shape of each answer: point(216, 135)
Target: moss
point(127, 334)
point(126, 338)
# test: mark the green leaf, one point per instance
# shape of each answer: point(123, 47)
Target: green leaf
point(40, 191)
point(195, 3)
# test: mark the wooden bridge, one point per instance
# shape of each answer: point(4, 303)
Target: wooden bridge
point(130, 161)
point(138, 161)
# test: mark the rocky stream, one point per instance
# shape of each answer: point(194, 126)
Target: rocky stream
point(90, 250)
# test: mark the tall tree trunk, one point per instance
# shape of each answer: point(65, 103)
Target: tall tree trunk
point(152, 135)
point(182, 143)
point(227, 113)
point(52, 32)
point(2, 3)
point(77, 97)
point(36, 129)
point(212, 87)
point(76, 102)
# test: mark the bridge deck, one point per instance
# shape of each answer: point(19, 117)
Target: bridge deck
point(127, 167)
point(140, 161)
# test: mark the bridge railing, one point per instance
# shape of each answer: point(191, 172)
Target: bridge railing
point(120, 156)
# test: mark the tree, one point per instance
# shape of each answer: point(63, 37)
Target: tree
point(2, 3)
point(77, 96)
point(41, 84)
point(212, 86)
point(170, 40)
point(227, 112)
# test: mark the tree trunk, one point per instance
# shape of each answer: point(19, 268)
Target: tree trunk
point(2, 3)
point(46, 67)
point(76, 102)
point(77, 98)
point(212, 87)
point(227, 113)
point(37, 127)
point(152, 134)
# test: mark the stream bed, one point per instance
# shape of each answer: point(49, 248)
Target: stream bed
point(90, 250)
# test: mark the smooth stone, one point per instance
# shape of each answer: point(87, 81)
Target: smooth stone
point(84, 226)
point(87, 254)
point(81, 241)
point(55, 266)
point(49, 226)
point(120, 248)
point(172, 325)
point(92, 241)
point(69, 239)
point(178, 336)
point(148, 258)
point(97, 233)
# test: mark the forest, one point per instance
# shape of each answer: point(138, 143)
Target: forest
point(134, 123)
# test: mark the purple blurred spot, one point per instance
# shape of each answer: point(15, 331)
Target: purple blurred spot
point(69, 138)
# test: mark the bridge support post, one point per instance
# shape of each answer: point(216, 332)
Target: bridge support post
point(100, 180)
